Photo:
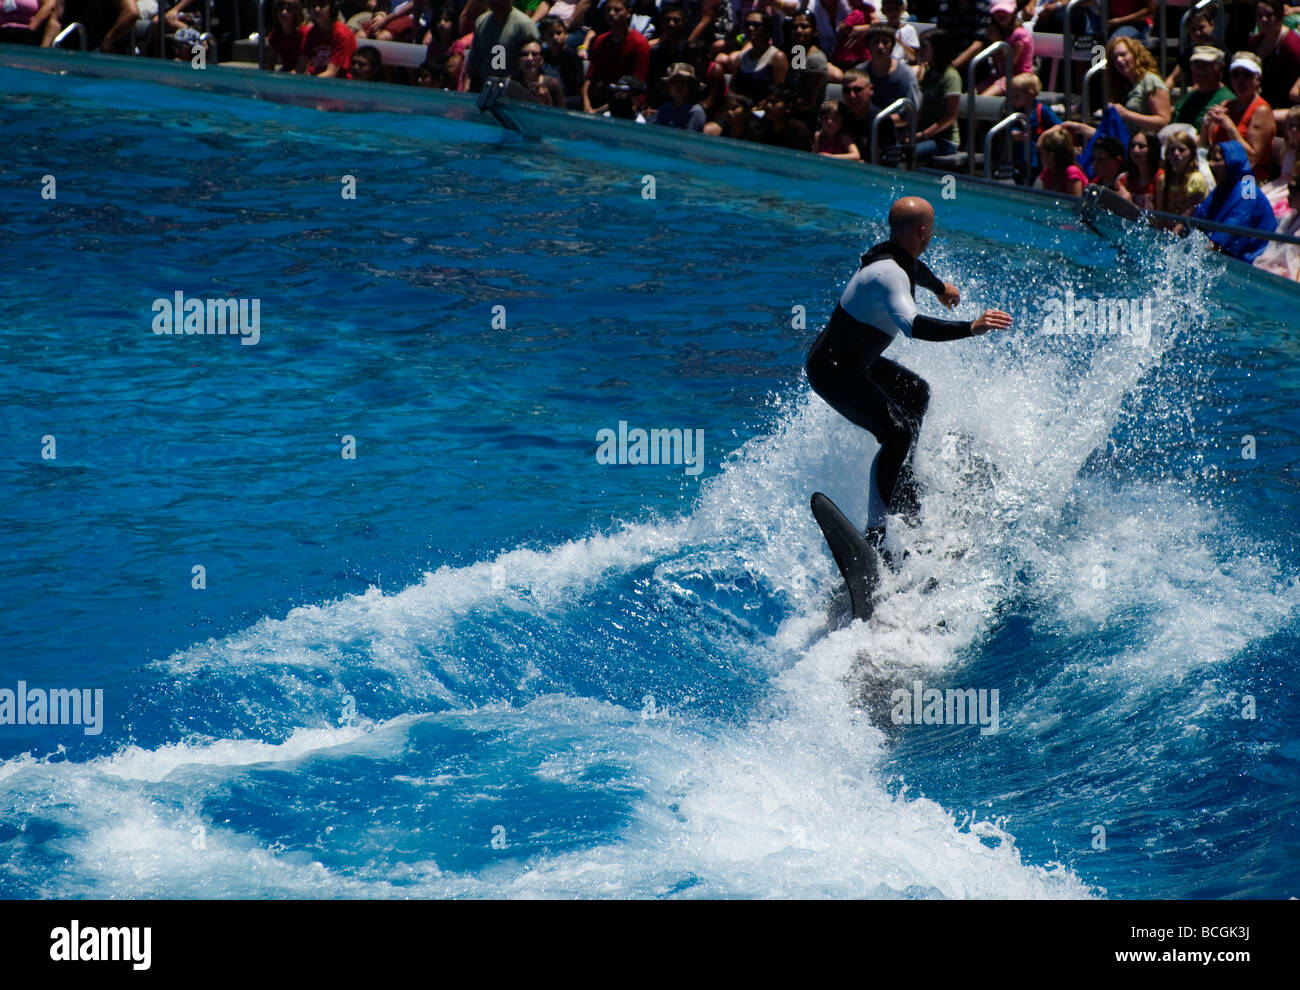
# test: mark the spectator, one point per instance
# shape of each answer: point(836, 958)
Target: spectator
point(1278, 49)
point(1236, 201)
point(545, 89)
point(828, 15)
point(1279, 258)
point(626, 98)
point(682, 109)
point(370, 9)
point(571, 13)
point(1206, 70)
point(367, 64)
point(402, 23)
point(1051, 20)
point(890, 79)
point(618, 52)
point(803, 31)
point(1130, 69)
point(1060, 173)
point(502, 25)
point(779, 127)
point(560, 60)
point(858, 110)
point(851, 39)
point(1107, 163)
point(1005, 27)
point(967, 23)
point(737, 119)
point(1247, 117)
point(328, 45)
point(284, 40)
point(432, 73)
point(1130, 19)
point(31, 22)
point(668, 48)
point(444, 44)
point(1200, 34)
point(760, 65)
point(1022, 97)
point(118, 37)
point(906, 42)
point(1142, 176)
point(940, 86)
point(1278, 190)
point(833, 140)
point(1183, 186)
point(535, 9)
point(716, 24)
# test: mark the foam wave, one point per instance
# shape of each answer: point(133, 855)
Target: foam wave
point(790, 801)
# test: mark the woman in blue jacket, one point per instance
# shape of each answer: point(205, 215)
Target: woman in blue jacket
point(1237, 200)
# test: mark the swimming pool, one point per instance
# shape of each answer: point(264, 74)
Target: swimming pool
point(472, 660)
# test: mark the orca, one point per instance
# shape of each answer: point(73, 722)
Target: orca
point(854, 556)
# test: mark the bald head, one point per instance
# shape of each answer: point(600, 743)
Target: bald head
point(911, 222)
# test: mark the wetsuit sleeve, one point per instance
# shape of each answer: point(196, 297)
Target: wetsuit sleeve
point(928, 328)
point(927, 279)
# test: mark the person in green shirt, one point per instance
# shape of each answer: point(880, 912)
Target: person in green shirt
point(1207, 89)
point(937, 132)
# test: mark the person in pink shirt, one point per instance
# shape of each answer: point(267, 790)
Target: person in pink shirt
point(1060, 173)
point(1005, 26)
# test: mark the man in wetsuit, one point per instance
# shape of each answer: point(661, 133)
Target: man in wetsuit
point(846, 369)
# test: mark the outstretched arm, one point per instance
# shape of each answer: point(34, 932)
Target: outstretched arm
point(947, 292)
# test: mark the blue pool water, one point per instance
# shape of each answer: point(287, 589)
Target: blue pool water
point(473, 661)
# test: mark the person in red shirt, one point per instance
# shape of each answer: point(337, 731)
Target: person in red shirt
point(284, 40)
point(328, 45)
point(620, 51)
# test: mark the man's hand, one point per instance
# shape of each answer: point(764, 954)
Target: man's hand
point(950, 296)
point(991, 319)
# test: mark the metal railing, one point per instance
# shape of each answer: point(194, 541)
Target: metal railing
point(1086, 116)
point(900, 105)
point(1002, 125)
point(74, 26)
point(261, 34)
point(1067, 54)
point(975, 63)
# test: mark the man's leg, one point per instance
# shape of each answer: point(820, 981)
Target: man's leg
point(867, 400)
point(906, 397)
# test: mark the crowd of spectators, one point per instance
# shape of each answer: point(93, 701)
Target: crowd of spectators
point(1215, 138)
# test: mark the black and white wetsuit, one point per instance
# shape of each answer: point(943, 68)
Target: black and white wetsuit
point(846, 369)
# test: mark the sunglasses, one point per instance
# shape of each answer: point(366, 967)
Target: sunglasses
point(856, 89)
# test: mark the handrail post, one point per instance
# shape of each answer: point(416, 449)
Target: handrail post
point(900, 104)
point(74, 26)
point(1160, 7)
point(1002, 125)
point(974, 64)
point(163, 7)
point(261, 34)
point(1087, 89)
point(1067, 53)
